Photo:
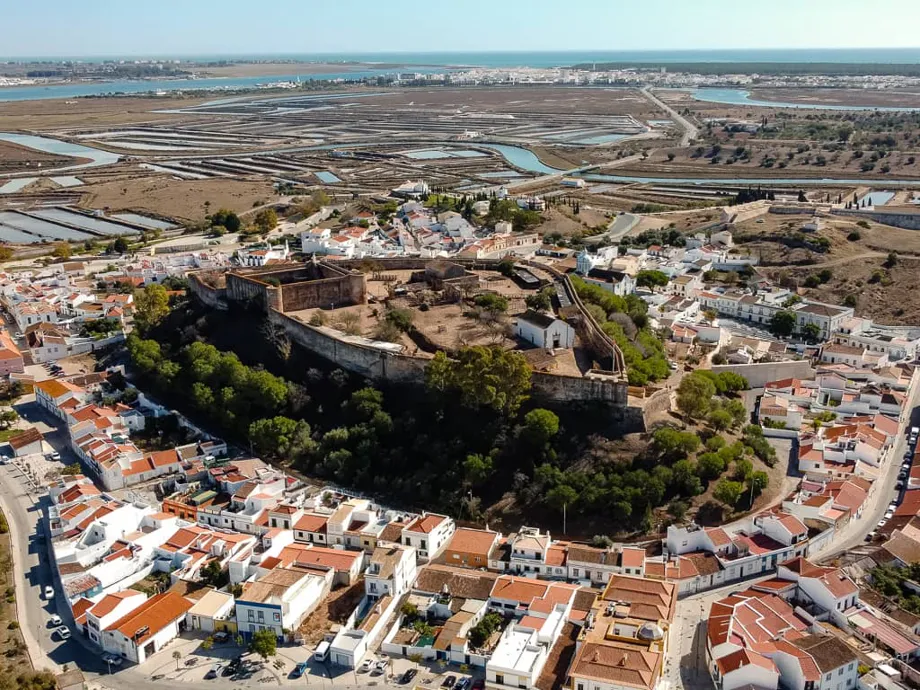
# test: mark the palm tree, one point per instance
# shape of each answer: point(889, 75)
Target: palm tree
point(177, 655)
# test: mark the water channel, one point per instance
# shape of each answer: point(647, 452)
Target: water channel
point(62, 148)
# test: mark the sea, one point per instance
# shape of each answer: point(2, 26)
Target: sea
point(391, 63)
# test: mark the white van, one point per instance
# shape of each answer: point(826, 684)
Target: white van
point(322, 652)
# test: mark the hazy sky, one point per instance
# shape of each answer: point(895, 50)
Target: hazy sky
point(235, 27)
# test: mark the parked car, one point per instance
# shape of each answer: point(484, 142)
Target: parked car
point(870, 536)
point(63, 632)
point(407, 677)
point(299, 670)
point(889, 515)
point(365, 666)
point(882, 523)
point(462, 684)
point(213, 672)
point(221, 637)
point(49, 592)
point(479, 684)
point(448, 682)
point(54, 621)
point(112, 659)
point(54, 455)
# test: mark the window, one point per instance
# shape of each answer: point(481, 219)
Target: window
point(261, 616)
point(500, 679)
point(840, 671)
point(252, 615)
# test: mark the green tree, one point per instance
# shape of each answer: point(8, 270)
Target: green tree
point(400, 318)
point(491, 302)
point(759, 480)
point(728, 492)
point(266, 220)
point(782, 323)
point(685, 479)
point(737, 410)
point(477, 468)
point(811, 332)
point(212, 574)
point(651, 279)
point(151, 306)
point(61, 251)
point(719, 418)
point(6, 253)
point(8, 417)
point(482, 377)
point(540, 426)
point(264, 643)
point(694, 395)
point(673, 443)
point(709, 466)
point(561, 496)
point(281, 436)
point(227, 219)
point(540, 301)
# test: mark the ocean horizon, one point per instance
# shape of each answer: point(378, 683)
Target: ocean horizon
point(537, 59)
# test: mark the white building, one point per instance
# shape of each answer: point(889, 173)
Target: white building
point(429, 533)
point(280, 600)
point(148, 628)
point(544, 330)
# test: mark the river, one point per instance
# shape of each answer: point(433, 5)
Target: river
point(76, 90)
point(742, 97)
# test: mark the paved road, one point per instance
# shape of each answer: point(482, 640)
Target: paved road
point(617, 228)
point(882, 492)
point(690, 130)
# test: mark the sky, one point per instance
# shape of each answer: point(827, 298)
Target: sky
point(245, 27)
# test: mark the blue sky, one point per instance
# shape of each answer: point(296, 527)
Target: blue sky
point(240, 27)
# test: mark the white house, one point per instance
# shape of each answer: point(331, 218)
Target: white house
point(544, 330)
point(212, 612)
point(391, 570)
point(148, 628)
point(429, 533)
point(280, 600)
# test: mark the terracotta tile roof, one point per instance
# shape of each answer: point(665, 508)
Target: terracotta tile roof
point(316, 523)
point(828, 651)
point(741, 658)
point(56, 388)
point(652, 600)
point(460, 582)
point(109, 602)
point(618, 663)
point(299, 554)
point(632, 557)
point(26, 438)
point(473, 541)
point(151, 617)
point(425, 524)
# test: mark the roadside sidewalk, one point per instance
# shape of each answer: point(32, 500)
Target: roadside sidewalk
point(37, 656)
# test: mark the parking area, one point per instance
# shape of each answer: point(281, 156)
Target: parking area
point(294, 664)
